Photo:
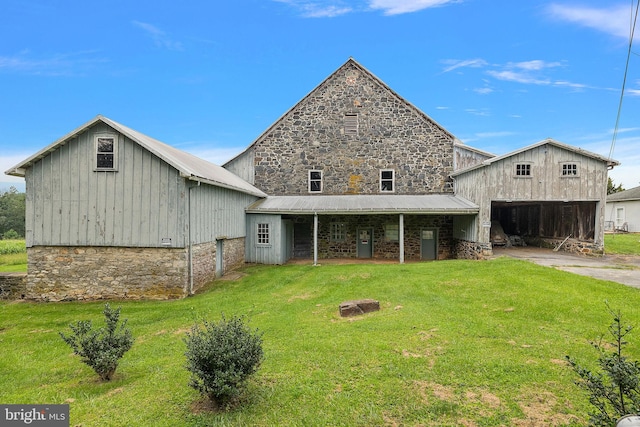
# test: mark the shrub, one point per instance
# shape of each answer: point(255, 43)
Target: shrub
point(221, 357)
point(11, 235)
point(101, 349)
point(615, 391)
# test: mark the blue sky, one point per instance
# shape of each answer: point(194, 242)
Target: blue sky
point(209, 77)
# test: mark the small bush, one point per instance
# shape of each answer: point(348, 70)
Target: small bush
point(11, 235)
point(615, 391)
point(221, 357)
point(101, 349)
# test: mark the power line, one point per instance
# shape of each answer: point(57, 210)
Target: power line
point(624, 80)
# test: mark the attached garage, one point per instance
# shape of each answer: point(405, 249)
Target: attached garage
point(548, 191)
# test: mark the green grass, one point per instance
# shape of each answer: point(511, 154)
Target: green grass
point(13, 256)
point(622, 243)
point(455, 343)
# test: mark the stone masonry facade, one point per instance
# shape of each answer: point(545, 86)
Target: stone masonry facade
point(352, 127)
point(93, 273)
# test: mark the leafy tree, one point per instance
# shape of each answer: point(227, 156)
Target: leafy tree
point(611, 188)
point(221, 357)
point(101, 349)
point(12, 212)
point(615, 391)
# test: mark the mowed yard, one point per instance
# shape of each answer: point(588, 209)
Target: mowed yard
point(456, 343)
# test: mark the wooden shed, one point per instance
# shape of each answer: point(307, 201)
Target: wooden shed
point(114, 213)
point(548, 190)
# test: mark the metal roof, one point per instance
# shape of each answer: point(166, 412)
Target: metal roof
point(365, 204)
point(630, 194)
point(188, 165)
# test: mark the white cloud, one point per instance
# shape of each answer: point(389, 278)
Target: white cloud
point(158, 36)
point(483, 90)
point(61, 64)
point(397, 7)
point(318, 9)
point(453, 64)
point(614, 20)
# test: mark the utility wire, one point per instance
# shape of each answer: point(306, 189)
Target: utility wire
point(624, 80)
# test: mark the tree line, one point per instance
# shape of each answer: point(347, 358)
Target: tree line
point(12, 214)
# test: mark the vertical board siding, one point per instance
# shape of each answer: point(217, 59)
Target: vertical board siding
point(218, 212)
point(264, 254)
point(243, 166)
point(68, 203)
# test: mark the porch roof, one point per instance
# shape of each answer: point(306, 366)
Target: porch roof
point(365, 205)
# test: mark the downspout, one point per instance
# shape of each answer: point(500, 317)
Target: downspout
point(401, 231)
point(315, 238)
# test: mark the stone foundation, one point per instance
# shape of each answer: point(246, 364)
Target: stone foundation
point(233, 254)
point(472, 250)
point(93, 273)
point(13, 285)
point(572, 245)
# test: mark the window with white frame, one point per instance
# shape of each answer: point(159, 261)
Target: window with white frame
point(569, 169)
point(315, 181)
point(523, 169)
point(106, 147)
point(387, 180)
point(263, 234)
point(338, 232)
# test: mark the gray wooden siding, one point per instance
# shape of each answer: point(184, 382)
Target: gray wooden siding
point(464, 157)
point(546, 182)
point(243, 166)
point(218, 213)
point(272, 253)
point(68, 203)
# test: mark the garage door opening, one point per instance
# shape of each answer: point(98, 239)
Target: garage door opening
point(530, 222)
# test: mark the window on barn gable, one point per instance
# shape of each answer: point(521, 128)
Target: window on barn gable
point(338, 232)
point(315, 181)
point(387, 178)
point(569, 169)
point(351, 124)
point(263, 234)
point(106, 148)
point(523, 169)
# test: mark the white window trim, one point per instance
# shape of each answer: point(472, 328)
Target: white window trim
point(562, 169)
point(515, 170)
point(260, 232)
point(309, 181)
point(393, 180)
point(115, 152)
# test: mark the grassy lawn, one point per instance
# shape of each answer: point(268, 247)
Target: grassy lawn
point(13, 256)
point(455, 343)
point(622, 243)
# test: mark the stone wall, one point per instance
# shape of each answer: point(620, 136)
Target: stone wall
point(390, 134)
point(383, 248)
point(472, 250)
point(13, 285)
point(233, 254)
point(576, 246)
point(204, 264)
point(90, 273)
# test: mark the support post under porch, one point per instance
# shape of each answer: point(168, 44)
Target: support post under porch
point(401, 238)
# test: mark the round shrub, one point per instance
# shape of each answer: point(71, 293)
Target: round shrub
point(221, 356)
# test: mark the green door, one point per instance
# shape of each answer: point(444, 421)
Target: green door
point(429, 243)
point(365, 243)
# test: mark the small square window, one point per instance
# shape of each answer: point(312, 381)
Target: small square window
point(315, 181)
point(387, 177)
point(263, 234)
point(569, 169)
point(338, 232)
point(392, 232)
point(523, 169)
point(350, 124)
point(105, 152)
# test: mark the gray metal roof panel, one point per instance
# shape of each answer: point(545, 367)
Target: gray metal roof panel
point(365, 204)
point(630, 194)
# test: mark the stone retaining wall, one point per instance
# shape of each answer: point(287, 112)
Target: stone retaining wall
point(472, 250)
point(12, 285)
